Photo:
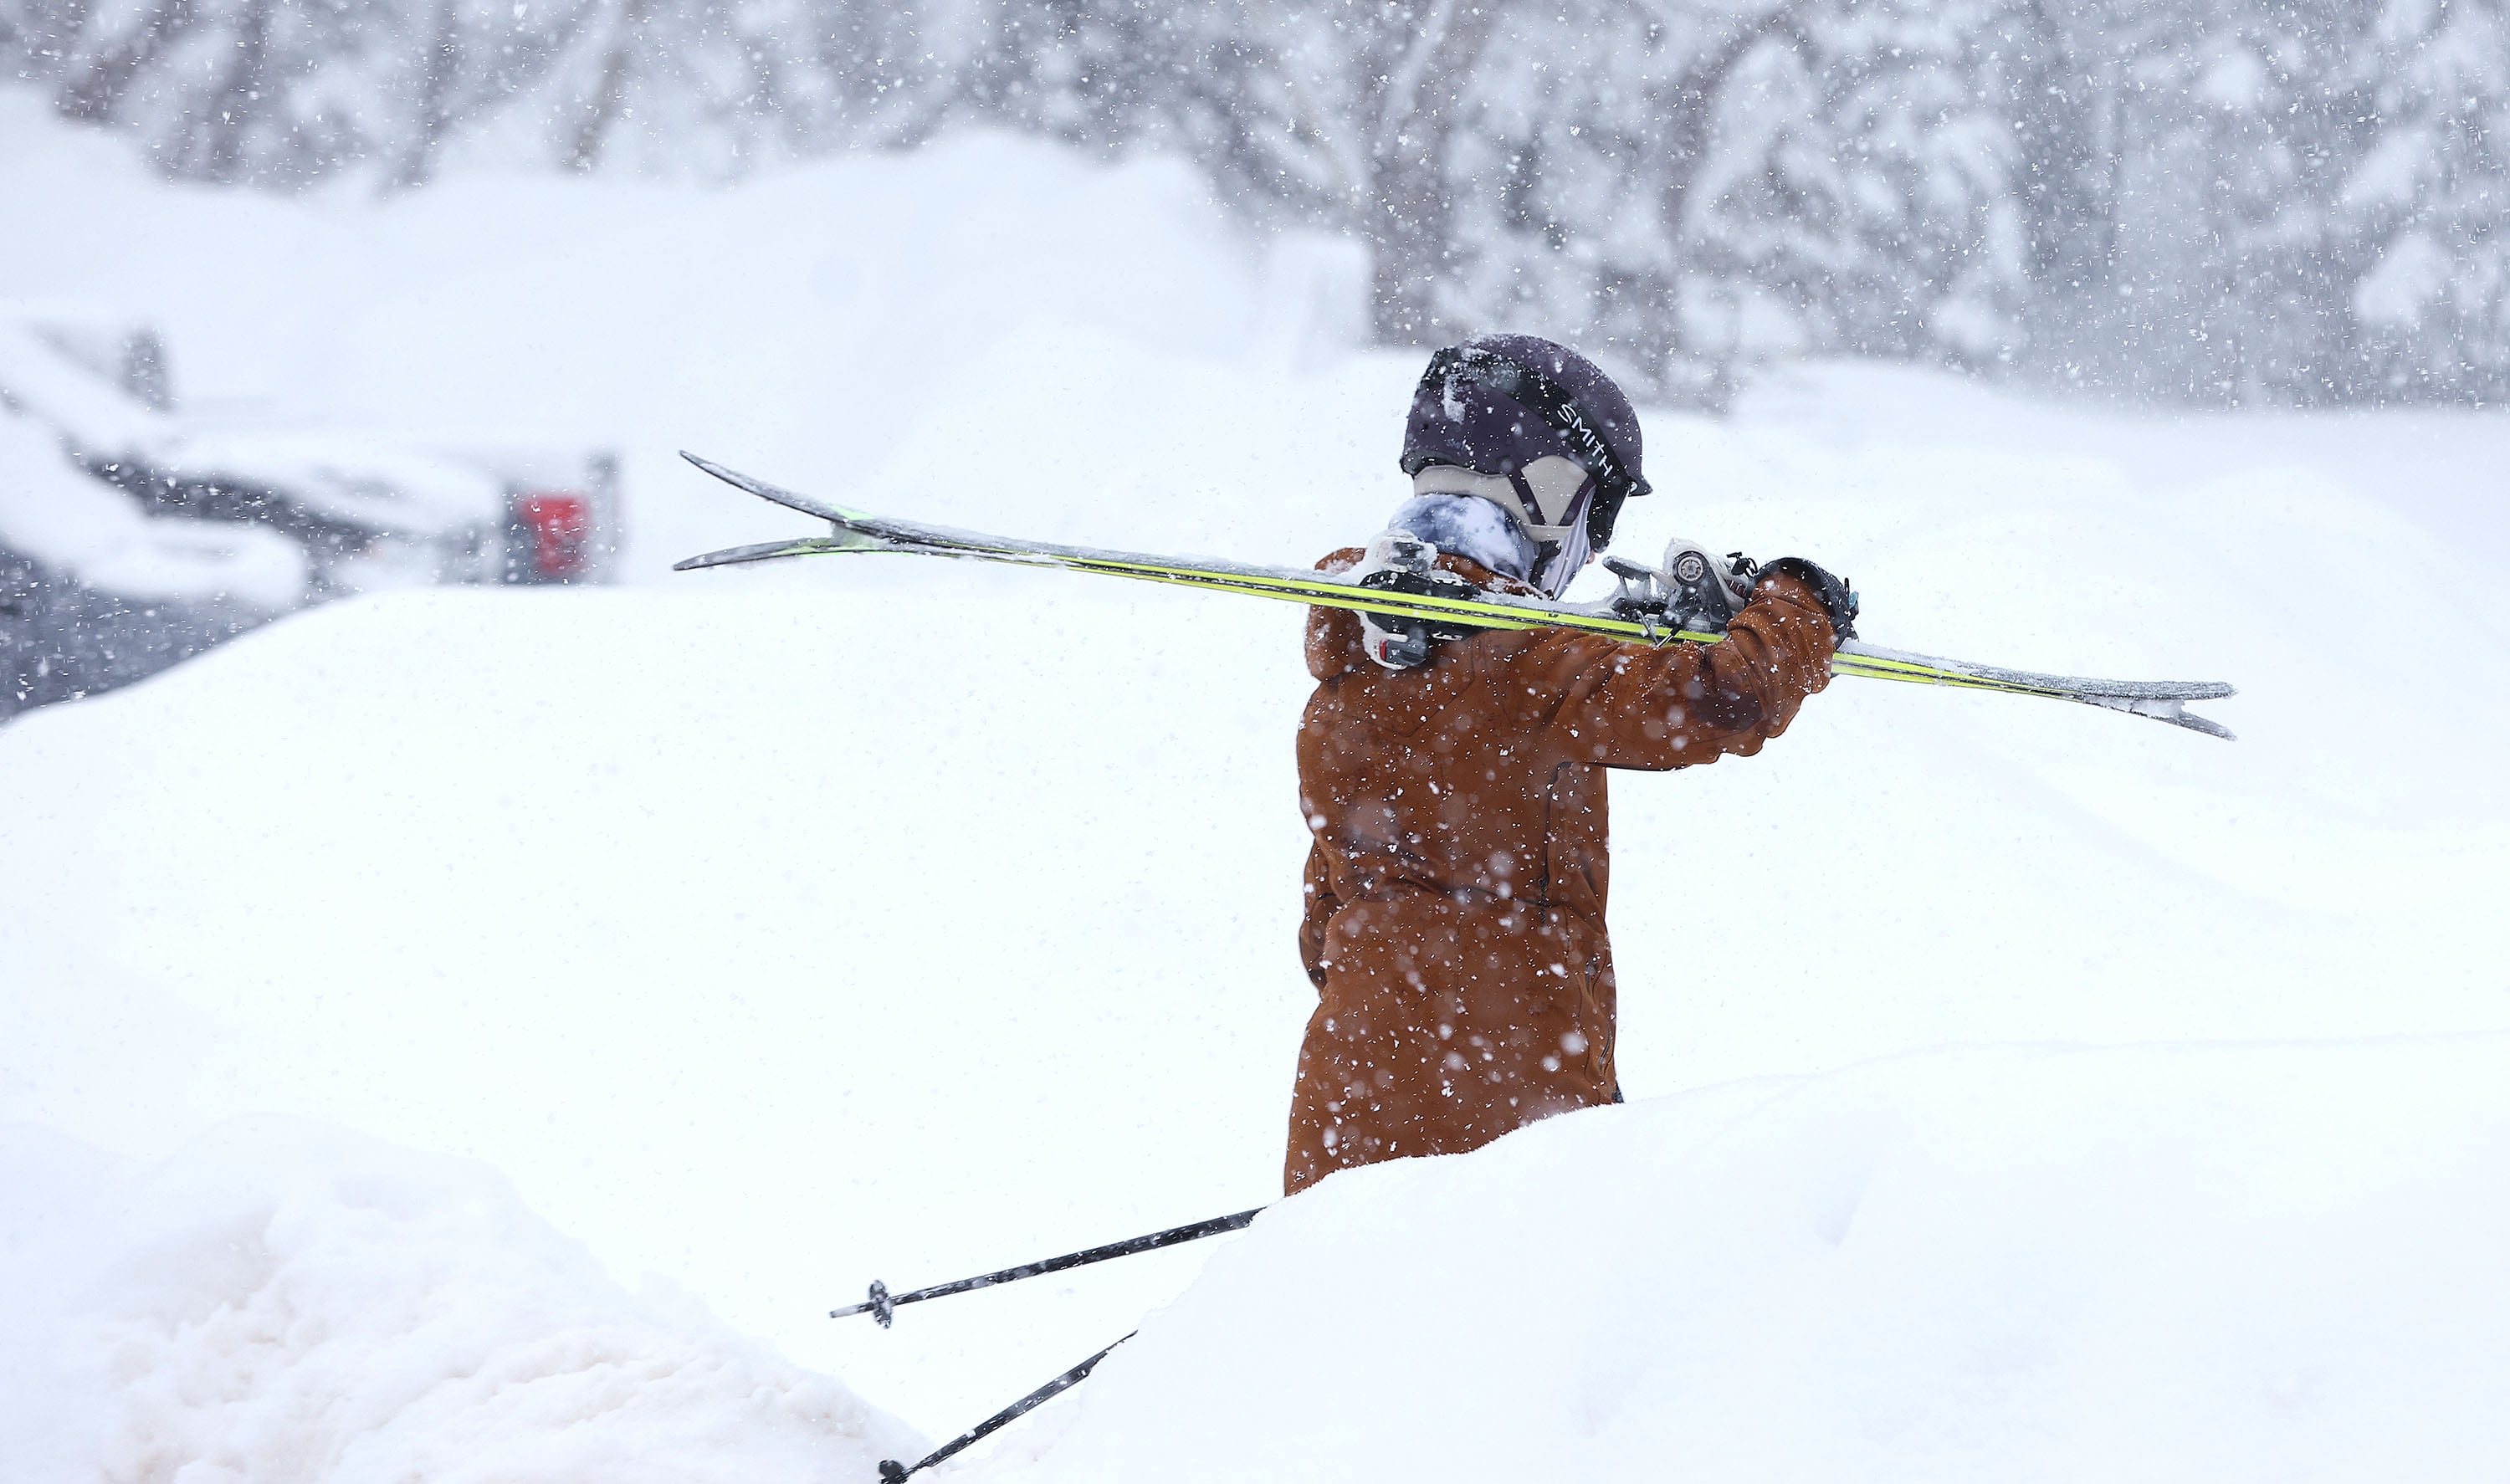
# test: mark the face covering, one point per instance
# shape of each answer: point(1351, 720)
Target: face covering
point(1471, 528)
point(1545, 502)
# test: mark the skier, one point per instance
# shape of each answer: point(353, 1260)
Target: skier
point(1455, 786)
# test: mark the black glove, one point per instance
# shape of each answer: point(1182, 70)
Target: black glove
point(1837, 599)
point(1399, 561)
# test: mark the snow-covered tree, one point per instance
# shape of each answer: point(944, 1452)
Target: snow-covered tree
point(2285, 200)
point(2421, 207)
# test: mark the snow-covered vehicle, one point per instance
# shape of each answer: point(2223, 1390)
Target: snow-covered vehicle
point(131, 537)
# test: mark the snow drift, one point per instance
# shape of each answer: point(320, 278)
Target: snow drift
point(2228, 1263)
point(277, 1302)
point(2258, 1263)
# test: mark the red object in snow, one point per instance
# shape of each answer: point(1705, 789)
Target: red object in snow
point(561, 526)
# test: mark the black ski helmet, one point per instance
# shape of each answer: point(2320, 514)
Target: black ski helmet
point(1495, 403)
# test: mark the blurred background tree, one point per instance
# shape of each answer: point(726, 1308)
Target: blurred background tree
point(2218, 201)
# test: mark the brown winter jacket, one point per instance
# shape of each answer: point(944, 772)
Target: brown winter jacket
point(1455, 911)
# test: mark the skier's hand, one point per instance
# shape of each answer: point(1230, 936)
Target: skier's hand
point(1404, 562)
point(1837, 599)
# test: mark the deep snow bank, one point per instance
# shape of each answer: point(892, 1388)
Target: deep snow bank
point(775, 931)
point(278, 1302)
point(2220, 1263)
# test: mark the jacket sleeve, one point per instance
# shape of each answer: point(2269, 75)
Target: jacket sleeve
point(1628, 705)
point(1319, 911)
point(1333, 634)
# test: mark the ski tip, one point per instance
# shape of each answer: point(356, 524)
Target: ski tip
point(730, 475)
point(729, 556)
point(774, 493)
point(2172, 709)
point(769, 551)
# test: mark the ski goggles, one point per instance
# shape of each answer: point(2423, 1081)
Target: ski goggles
point(1470, 410)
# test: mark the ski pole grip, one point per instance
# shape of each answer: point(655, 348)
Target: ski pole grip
point(878, 1304)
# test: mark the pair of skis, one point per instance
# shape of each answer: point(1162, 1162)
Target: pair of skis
point(1628, 617)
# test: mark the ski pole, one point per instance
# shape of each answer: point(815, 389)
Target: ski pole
point(891, 1472)
point(883, 1304)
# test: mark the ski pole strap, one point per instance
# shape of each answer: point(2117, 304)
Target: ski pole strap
point(882, 1304)
point(891, 1472)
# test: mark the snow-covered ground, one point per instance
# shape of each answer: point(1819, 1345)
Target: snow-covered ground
point(283, 1302)
point(768, 931)
point(2188, 1263)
